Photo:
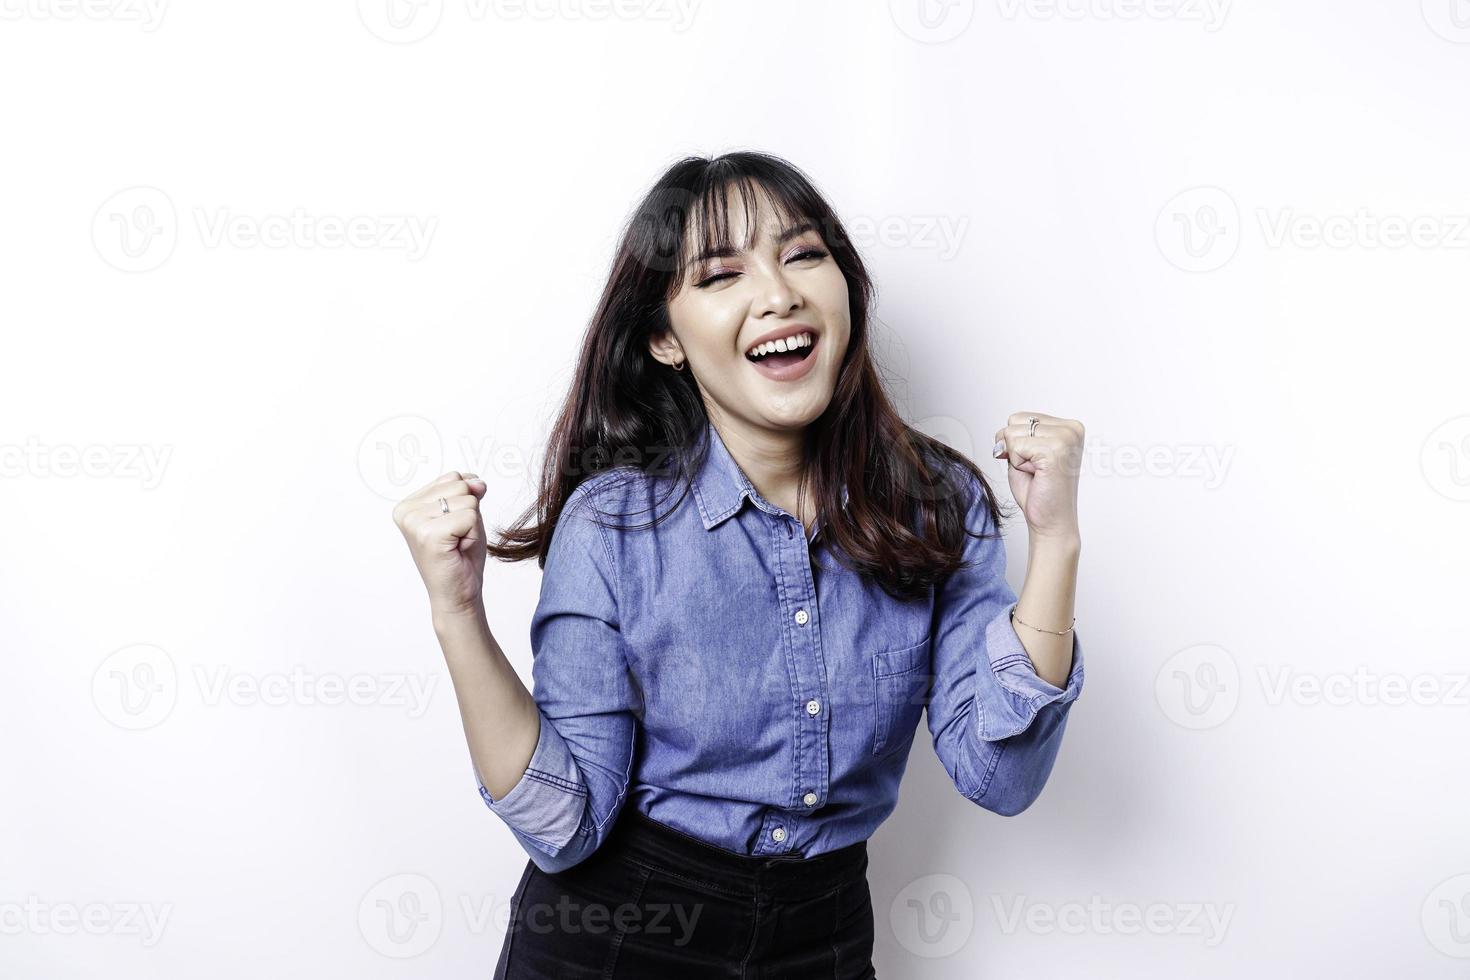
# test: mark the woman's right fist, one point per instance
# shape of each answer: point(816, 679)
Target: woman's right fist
point(441, 523)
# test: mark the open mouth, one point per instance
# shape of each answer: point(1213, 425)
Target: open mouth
point(781, 357)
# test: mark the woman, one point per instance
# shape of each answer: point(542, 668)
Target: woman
point(726, 692)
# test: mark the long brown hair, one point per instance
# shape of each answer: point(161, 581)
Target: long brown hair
point(904, 523)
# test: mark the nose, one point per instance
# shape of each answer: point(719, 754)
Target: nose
point(775, 296)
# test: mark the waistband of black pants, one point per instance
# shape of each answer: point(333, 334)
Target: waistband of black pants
point(648, 842)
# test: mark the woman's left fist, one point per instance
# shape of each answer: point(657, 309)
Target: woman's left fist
point(1045, 462)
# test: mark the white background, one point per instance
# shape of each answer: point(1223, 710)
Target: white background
point(1231, 239)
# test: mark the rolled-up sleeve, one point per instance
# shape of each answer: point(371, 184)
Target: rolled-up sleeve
point(995, 723)
point(563, 806)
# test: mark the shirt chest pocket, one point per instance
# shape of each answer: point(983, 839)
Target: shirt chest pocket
point(900, 689)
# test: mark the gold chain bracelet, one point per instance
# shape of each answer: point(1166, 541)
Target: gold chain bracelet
point(1038, 628)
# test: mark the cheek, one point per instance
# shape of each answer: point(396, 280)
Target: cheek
point(832, 298)
point(708, 325)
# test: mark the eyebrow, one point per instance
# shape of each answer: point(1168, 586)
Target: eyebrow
point(785, 236)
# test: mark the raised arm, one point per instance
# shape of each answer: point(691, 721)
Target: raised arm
point(995, 722)
point(576, 778)
point(555, 766)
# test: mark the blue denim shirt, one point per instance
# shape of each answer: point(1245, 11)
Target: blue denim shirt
point(725, 675)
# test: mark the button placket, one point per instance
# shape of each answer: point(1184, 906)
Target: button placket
point(819, 724)
point(811, 756)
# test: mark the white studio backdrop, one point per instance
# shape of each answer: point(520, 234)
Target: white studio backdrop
point(268, 267)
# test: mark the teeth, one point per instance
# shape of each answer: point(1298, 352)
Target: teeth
point(785, 344)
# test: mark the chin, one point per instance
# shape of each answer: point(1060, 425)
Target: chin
point(789, 416)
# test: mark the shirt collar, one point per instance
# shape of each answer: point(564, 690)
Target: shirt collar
point(721, 486)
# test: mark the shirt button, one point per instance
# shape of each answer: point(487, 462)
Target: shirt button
point(801, 617)
point(810, 799)
point(813, 706)
point(778, 835)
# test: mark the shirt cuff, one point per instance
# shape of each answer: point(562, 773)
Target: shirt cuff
point(1015, 692)
point(549, 800)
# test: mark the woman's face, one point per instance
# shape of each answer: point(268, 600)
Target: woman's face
point(784, 284)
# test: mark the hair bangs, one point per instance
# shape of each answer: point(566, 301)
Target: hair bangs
point(709, 228)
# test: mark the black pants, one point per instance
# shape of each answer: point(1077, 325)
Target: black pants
point(654, 902)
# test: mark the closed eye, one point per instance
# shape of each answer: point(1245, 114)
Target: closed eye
point(801, 256)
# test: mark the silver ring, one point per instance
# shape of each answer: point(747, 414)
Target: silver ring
point(444, 505)
point(1033, 420)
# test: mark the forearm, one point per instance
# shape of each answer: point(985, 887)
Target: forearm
point(501, 721)
point(1047, 600)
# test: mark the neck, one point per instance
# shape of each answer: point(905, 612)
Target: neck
point(770, 458)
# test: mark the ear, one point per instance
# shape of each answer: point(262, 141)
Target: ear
point(665, 347)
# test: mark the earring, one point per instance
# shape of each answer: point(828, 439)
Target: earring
point(679, 366)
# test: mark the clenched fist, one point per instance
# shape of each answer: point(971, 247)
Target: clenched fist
point(442, 524)
point(1045, 454)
